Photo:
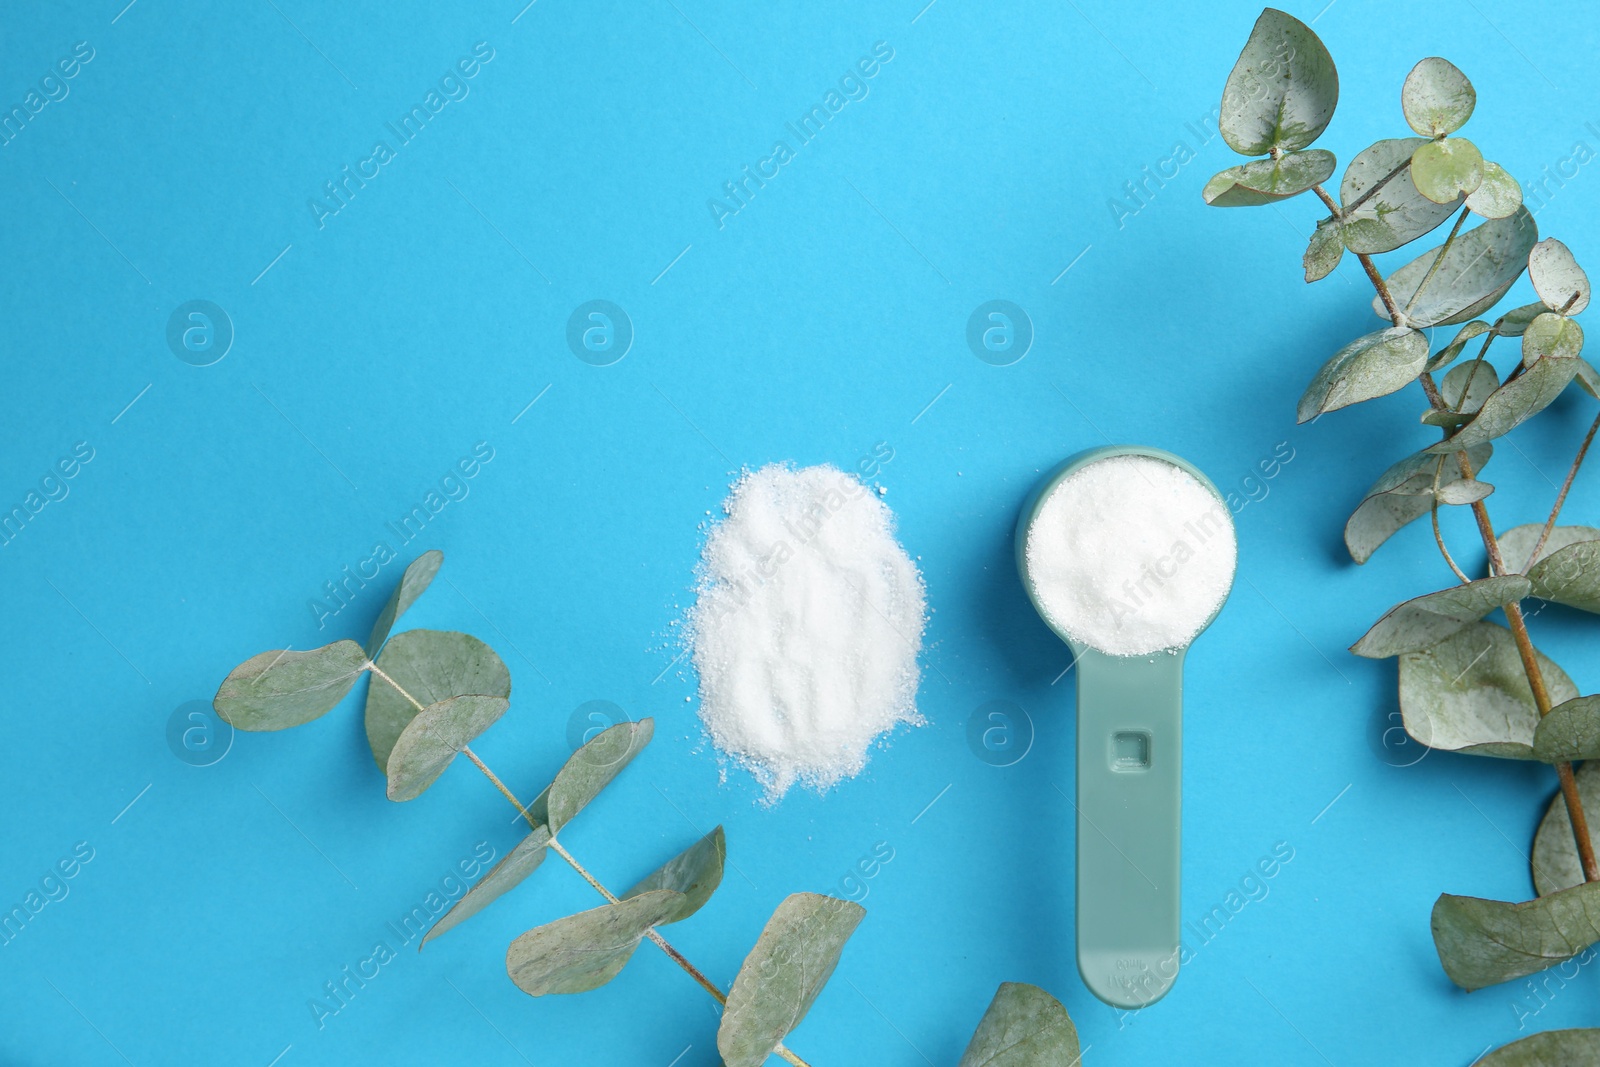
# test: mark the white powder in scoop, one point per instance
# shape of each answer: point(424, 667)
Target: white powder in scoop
point(1131, 555)
point(806, 628)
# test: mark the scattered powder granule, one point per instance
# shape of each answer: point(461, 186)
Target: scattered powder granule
point(806, 626)
point(1131, 555)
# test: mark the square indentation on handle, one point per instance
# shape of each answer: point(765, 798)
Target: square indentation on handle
point(1130, 750)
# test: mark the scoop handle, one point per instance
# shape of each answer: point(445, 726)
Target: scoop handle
point(1130, 767)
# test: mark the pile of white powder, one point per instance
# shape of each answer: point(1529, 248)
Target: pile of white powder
point(1131, 555)
point(806, 628)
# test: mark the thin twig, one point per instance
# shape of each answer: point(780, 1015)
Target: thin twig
point(1438, 535)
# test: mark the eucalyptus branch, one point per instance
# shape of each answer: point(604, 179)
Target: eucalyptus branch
point(611, 898)
point(1457, 672)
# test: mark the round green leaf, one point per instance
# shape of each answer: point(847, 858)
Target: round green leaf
point(1588, 378)
point(1516, 544)
point(1499, 194)
point(695, 872)
point(435, 737)
point(277, 690)
point(1478, 268)
point(1383, 209)
point(504, 876)
point(1401, 495)
point(430, 665)
point(589, 770)
point(1322, 255)
point(781, 977)
point(1281, 92)
point(1463, 390)
point(1437, 98)
point(1551, 336)
point(1557, 278)
point(1424, 621)
point(1569, 575)
point(1513, 403)
point(1370, 366)
point(1553, 1048)
point(1443, 170)
point(1571, 732)
point(1263, 181)
point(1554, 861)
point(1485, 942)
point(586, 950)
point(1469, 694)
point(1464, 492)
point(417, 577)
point(1024, 1027)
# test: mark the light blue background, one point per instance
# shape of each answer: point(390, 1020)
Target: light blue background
point(824, 318)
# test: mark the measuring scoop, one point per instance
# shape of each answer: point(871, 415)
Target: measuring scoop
point(1130, 761)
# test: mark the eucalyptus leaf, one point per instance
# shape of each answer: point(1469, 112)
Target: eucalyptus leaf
point(695, 873)
point(1396, 213)
point(781, 977)
point(1513, 403)
point(1570, 576)
point(1468, 693)
point(279, 689)
point(1466, 387)
point(1374, 365)
point(430, 665)
point(589, 770)
point(1485, 942)
point(1480, 265)
point(1446, 355)
point(1324, 251)
point(1514, 323)
point(1464, 492)
point(1443, 170)
point(1516, 544)
point(1402, 494)
point(1264, 181)
point(1437, 98)
point(1552, 1048)
point(1023, 1027)
point(1554, 862)
point(1499, 194)
point(1551, 336)
point(1282, 90)
point(1557, 278)
point(418, 576)
point(586, 950)
point(1570, 732)
point(1426, 620)
point(502, 877)
point(1588, 378)
point(432, 740)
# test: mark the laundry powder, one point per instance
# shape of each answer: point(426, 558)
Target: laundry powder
point(1131, 555)
point(806, 627)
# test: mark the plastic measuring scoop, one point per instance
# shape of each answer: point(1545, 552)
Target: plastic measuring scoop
point(1130, 763)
